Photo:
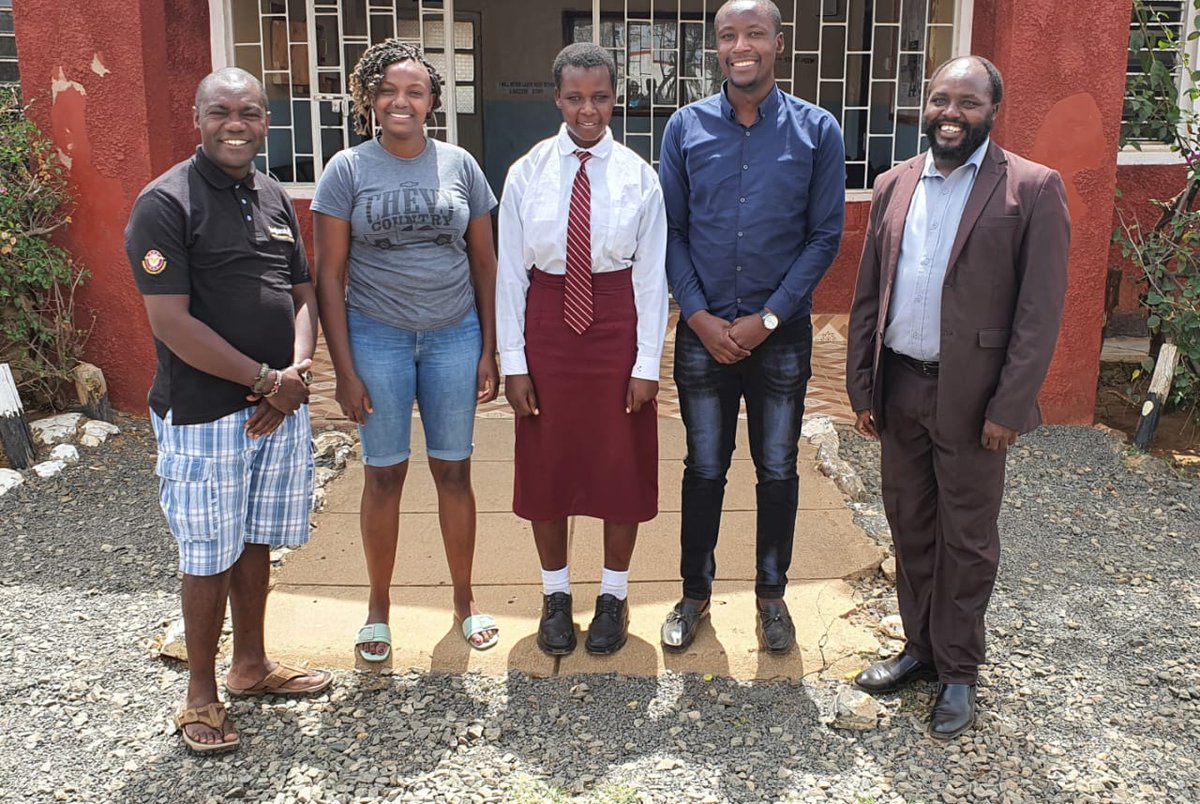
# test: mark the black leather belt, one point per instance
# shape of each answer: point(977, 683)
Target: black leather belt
point(928, 368)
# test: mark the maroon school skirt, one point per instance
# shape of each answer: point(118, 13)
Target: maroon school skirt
point(583, 454)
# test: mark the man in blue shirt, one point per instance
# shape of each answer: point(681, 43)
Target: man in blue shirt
point(754, 183)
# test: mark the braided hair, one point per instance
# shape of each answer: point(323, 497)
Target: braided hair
point(369, 72)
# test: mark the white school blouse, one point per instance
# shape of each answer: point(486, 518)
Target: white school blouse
point(629, 230)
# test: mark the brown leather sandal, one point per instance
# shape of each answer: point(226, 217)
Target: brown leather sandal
point(276, 682)
point(212, 715)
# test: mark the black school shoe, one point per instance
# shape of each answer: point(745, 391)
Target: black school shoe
point(556, 631)
point(610, 626)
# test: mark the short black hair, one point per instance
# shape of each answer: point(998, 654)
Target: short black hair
point(994, 78)
point(231, 77)
point(585, 56)
point(766, 5)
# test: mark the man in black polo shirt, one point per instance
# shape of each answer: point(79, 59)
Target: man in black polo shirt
point(216, 253)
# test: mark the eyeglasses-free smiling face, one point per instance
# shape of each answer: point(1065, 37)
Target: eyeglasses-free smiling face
point(959, 113)
point(747, 45)
point(403, 100)
point(233, 121)
point(586, 98)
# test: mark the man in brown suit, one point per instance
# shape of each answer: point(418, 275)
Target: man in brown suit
point(955, 317)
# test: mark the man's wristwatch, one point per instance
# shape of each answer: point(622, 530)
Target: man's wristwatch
point(769, 319)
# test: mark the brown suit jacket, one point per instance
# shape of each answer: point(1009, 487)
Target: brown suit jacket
point(1002, 298)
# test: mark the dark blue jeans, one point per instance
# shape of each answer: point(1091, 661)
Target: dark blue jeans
point(773, 381)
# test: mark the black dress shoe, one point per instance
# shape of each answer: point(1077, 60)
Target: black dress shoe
point(679, 630)
point(776, 631)
point(610, 626)
point(894, 673)
point(953, 711)
point(556, 631)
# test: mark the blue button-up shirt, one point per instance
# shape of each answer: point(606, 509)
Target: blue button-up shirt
point(754, 213)
point(915, 314)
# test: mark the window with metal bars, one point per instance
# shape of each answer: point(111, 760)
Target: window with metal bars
point(1152, 24)
point(9, 73)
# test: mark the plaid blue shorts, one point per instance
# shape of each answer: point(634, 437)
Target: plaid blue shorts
point(221, 489)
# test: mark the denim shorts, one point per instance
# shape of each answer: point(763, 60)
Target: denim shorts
point(220, 489)
point(438, 369)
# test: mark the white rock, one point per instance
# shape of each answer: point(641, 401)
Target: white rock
point(10, 479)
point(892, 626)
point(56, 429)
point(816, 425)
point(65, 453)
point(91, 441)
point(855, 709)
point(48, 468)
point(100, 429)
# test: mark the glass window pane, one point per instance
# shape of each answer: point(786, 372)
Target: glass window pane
point(884, 65)
point(8, 47)
point(302, 125)
point(245, 23)
point(382, 27)
point(353, 54)
point(858, 79)
point(908, 133)
point(854, 131)
point(912, 74)
point(941, 47)
point(435, 33)
point(464, 98)
point(9, 72)
point(464, 67)
point(279, 103)
point(912, 25)
point(328, 54)
point(887, 10)
point(354, 19)
point(804, 80)
point(941, 11)
point(858, 36)
point(464, 35)
point(830, 97)
point(856, 177)
point(249, 58)
point(833, 51)
point(6, 23)
point(879, 156)
point(409, 30)
point(808, 25)
point(883, 110)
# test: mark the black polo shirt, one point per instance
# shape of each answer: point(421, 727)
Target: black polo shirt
point(233, 246)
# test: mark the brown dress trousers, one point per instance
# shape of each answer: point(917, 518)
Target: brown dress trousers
point(1002, 301)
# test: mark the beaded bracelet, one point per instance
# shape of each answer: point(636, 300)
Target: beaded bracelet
point(257, 386)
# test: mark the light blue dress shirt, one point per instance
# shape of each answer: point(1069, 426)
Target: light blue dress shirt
point(914, 323)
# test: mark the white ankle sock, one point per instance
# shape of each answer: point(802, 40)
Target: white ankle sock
point(558, 580)
point(614, 583)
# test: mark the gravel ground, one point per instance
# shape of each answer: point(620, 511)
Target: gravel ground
point(1093, 693)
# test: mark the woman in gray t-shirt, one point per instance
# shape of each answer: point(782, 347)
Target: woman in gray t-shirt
point(406, 283)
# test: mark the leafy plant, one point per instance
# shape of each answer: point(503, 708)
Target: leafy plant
point(38, 279)
point(1168, 253)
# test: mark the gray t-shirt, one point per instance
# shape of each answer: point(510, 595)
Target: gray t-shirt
point(408, 218)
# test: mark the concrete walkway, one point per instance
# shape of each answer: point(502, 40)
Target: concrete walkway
point(319, 600)
point(320, 595)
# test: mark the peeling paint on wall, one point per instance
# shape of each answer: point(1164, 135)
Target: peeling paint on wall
point(60, 83)
point(98, 66)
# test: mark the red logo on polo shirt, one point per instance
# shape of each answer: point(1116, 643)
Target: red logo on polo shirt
point(154, 262)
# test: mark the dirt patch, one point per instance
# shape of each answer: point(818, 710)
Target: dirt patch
point(1118, 405)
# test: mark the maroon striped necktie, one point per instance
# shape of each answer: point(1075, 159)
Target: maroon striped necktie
point(577, 291)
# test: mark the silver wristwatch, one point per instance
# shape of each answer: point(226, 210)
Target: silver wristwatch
point(769, 319)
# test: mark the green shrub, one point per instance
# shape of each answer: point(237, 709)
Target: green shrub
point(38, 279)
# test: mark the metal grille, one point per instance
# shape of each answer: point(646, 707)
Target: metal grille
point(9, 73)
point(1160, 17)
point(311, 110)
point(866, 61)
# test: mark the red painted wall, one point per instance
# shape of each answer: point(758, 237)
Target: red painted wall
point(836, 291)
point(107, 103)
point(1139, 184)
point(1062, 107)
